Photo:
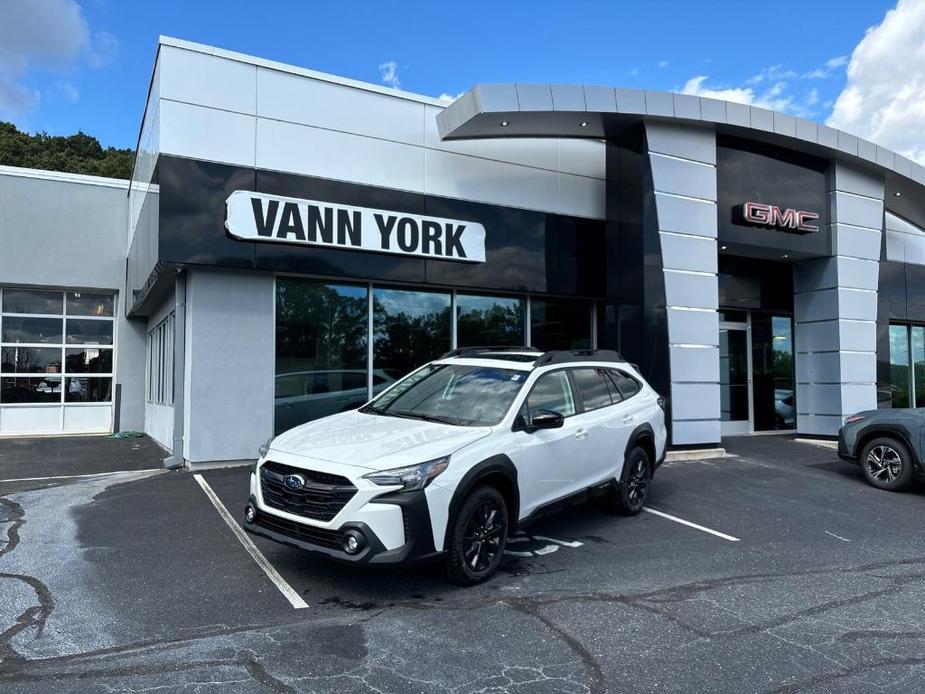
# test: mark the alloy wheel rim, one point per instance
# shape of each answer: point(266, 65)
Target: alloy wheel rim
point(884, 464)
point(637, 486)
point(483, 536)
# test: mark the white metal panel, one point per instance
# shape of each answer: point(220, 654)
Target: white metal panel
point(457, 176)
point(31, 419)
point(582, 196)
point(207, 80)
point(207, 133)
point(302, 149)
point(88, 418)
point(298, 99)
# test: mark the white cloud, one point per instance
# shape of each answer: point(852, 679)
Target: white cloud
point(663, 63)
point(775, 73)
point(389, 71)
point(884, 98)
point(48, 35)
point(67, 91)
point(449, 98)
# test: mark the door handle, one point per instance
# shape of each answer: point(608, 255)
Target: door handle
point(581, 433)
point(629, 419)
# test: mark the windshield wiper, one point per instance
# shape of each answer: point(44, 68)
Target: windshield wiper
point(426, 417)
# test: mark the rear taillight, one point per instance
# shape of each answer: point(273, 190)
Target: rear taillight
point(661, 403)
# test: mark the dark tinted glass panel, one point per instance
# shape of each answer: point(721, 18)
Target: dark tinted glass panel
point(592, 384)
point(89, 332)
point(560, 323)
point(40, 330)
point(899, 365)
point(728, 316)
point(31, 360)
point(733, 375)
point(29, 389)
point(772, 373)
point(31, 301)
point(551, 392)
point(410, 329)
point(86, 304)
point(627, 385)
point(486, 320)
point(918, 364)
point(321, 333)
point(94, 389)
point(88, 361)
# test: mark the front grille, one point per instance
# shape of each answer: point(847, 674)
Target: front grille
point(332, 539)
point(322, 497)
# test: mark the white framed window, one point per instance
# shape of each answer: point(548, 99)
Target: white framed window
point(159, 368)
point(56, 346)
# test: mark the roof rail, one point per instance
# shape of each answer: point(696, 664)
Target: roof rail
point(471, 351)
point(561, 356)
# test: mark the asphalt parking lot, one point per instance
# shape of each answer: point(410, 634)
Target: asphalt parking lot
point(799, 578)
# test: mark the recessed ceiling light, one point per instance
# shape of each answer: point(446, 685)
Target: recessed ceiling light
point(583, 124)
point(504, 123)
point(722, 248)
point(897, 194)
point(785, 255)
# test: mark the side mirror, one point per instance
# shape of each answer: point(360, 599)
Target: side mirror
point(546, 419)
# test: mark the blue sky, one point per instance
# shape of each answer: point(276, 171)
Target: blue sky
point(85, 64)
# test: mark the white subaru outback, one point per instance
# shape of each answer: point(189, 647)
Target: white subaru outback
point(459, 454)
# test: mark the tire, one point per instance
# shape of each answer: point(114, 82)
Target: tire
point(887, 464)
point(478, 538)
point(633, 490)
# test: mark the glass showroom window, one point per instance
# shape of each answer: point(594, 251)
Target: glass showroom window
point(159, 382)
point(321, 350)
point(560, 323)
point(410, 329)
point(489, 320)
point(907, 365)
point(55, 347)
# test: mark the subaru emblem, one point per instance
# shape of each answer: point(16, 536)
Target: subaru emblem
point(294, 482)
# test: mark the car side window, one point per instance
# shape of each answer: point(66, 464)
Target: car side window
point(552, 392)
point(592, 384)
point(627, 385)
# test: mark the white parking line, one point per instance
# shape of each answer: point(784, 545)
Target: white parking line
point(690, 525)
point(288, 591)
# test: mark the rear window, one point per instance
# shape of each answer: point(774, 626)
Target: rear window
point(627, 385)
point(594, 388)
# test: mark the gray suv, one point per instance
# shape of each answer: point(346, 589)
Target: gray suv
point(887, 444)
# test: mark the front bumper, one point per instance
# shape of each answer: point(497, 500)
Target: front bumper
point(418, 542)
point(844, 452)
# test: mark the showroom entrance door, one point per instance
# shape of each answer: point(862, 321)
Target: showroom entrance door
point(757, 392)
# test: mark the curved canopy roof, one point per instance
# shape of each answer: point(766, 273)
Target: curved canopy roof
point(583, 111)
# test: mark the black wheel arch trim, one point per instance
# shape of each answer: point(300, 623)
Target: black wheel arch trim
point(875, 430)
point(495, 465)
point(643, 431)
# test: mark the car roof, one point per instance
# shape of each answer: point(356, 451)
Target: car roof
point(527, 359)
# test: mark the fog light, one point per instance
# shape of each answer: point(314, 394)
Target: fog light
point(250, 513)
point(353, 542)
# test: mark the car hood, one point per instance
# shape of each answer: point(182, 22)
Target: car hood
point(374, 441)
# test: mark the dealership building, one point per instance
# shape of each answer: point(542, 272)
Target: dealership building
point(292, 242)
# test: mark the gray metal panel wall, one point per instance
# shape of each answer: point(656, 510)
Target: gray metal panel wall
point(684, 177)
point(230, 364)
point(835, 307)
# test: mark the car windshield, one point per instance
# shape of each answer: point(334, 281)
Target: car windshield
point(452, 394)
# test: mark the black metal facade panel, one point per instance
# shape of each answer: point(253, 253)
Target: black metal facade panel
point(750, 171)
point(526, 251)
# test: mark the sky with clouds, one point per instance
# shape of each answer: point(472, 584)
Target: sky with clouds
point(68, 65)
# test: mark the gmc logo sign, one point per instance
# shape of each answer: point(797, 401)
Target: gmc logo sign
point(793, 221)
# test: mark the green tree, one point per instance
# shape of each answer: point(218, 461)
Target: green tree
point(80, 153)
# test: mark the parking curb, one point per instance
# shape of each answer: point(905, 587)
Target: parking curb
point(696, 454)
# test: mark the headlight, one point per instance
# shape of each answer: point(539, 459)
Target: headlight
point(265, 448)
point(411, 478)
point(852, 418)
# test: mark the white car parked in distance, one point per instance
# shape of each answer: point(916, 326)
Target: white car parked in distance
point(452, 459)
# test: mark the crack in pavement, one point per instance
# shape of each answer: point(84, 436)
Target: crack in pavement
point(36, 616)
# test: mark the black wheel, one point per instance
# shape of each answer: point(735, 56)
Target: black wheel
point(478, 537)
point(633, 491)
point(887, 464)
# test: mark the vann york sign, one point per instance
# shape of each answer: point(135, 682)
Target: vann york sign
point(773, 217)
point(259, 217)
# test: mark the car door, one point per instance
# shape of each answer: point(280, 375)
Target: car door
point(632, 411)
point(602, 416)
point(547, 469)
